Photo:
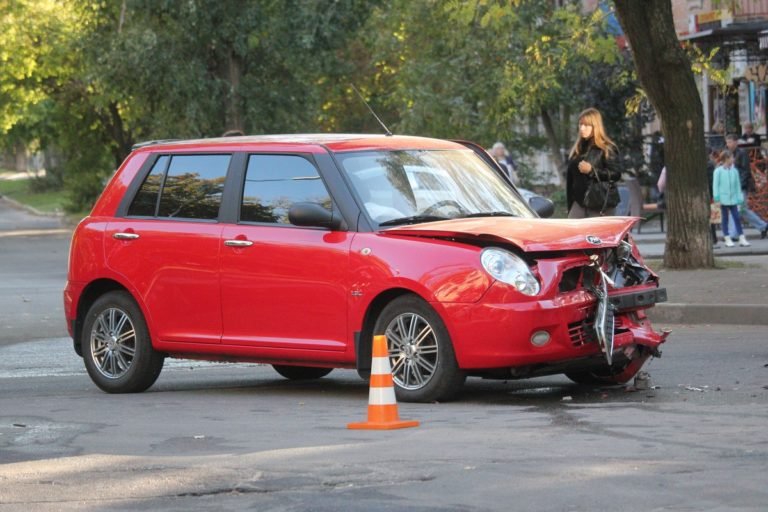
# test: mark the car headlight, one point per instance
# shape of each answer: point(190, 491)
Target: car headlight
point(509, 268)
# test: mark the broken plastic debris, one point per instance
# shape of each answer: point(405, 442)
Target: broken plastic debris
point(642, 380)
point(199, 437)
point(694, 388)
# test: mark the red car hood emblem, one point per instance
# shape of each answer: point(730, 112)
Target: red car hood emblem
point(530, 235)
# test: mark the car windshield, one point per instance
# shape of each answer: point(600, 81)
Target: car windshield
point(405, 187)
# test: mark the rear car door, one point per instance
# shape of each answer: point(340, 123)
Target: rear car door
point(283, 287)
point(166, 246)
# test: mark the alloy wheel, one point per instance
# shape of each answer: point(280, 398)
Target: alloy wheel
point(113, 343)
point(413, 350)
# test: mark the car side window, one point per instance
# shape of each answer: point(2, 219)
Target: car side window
point(274, 182)
point(145, 202)
point(188, 186)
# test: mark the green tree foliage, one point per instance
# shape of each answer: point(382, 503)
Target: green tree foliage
point(34, 41)
point(481, 69)
point(35, 57)
point(93, 78)
point(89, 78)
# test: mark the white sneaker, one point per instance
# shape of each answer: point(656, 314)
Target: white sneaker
point(743, 241)
point(728, 241)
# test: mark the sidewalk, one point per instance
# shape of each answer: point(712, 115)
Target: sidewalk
point(736, 294)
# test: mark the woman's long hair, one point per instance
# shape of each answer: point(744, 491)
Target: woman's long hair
point(592, 117)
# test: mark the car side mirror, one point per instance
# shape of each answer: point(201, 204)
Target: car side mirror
point(313, 215)
point(542, 206)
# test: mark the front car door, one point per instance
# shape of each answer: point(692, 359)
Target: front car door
point(284, 288)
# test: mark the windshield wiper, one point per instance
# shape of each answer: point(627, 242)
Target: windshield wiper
point(489, 214)
point(414, 219)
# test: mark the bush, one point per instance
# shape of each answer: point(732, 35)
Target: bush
point(85, 175)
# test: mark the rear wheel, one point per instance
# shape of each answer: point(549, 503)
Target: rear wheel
point(421, 356)
point(301, 372)
point(116, 346)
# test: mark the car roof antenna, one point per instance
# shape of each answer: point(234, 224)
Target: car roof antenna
point(386, 130)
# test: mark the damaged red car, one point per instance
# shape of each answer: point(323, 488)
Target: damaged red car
point(295, 250)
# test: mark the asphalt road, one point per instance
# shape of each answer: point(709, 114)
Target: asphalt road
point(239, 437)
point(33, 273)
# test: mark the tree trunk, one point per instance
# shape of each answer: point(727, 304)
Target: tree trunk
point(556, 155)
point(232, 74)
point(665, 73)
point(20, 152)
point(122, 139)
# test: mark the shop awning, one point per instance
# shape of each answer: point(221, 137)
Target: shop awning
point(750, 36)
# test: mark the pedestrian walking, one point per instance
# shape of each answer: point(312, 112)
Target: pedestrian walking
point(593, 164)
point(504, 159)
point(747, 181)
point(749, 137)
point(715, 216)
point(656, 163)
point(726, 189)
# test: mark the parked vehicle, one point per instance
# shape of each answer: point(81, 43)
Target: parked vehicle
point(295, 250)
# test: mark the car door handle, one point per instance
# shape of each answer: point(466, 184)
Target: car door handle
point(125, 236)
point(238, 243)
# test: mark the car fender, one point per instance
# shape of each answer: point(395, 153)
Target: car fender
point(87, 268)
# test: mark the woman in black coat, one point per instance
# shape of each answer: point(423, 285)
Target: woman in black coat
point(592, 153)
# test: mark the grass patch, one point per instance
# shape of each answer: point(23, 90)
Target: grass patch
point(49, 201)
point(654, 265)
point(720, 264)
point(723, 263)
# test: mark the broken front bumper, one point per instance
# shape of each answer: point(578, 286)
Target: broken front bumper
point(588, 309)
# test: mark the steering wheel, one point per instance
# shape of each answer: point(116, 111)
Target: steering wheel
point(432, 210)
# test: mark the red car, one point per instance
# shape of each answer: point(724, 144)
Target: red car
point(295, 250)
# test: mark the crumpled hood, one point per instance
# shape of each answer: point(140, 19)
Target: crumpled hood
point(530, 235)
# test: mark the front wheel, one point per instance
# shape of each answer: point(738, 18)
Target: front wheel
point(116, 345)
point(424, 367)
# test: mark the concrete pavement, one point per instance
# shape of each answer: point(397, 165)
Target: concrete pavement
point(652, 240)
point(734, 293)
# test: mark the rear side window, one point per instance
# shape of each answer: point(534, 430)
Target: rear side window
point(145, 202)
point(187, 186)
point(274, 182)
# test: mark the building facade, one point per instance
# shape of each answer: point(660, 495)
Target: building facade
point(740, 30)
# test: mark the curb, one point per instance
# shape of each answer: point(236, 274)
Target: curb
point(650, 254)
point(735, 314)
point(27, 208)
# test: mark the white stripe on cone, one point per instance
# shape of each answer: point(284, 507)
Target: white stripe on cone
point(382, 396)
point(380, 366)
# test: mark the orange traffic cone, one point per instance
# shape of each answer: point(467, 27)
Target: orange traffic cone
point(382, 404)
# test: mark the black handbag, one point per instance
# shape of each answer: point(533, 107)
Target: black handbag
point(601, 195)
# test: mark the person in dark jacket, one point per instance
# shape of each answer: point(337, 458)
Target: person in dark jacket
point(749, 137)
point(594, 155)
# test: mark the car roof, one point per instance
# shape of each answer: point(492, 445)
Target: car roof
point(334, 142)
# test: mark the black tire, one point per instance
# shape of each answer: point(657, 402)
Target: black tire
point(609, 376)
point(301, 372)
point(424, 371)
point(116, 345)
point(591, 378)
